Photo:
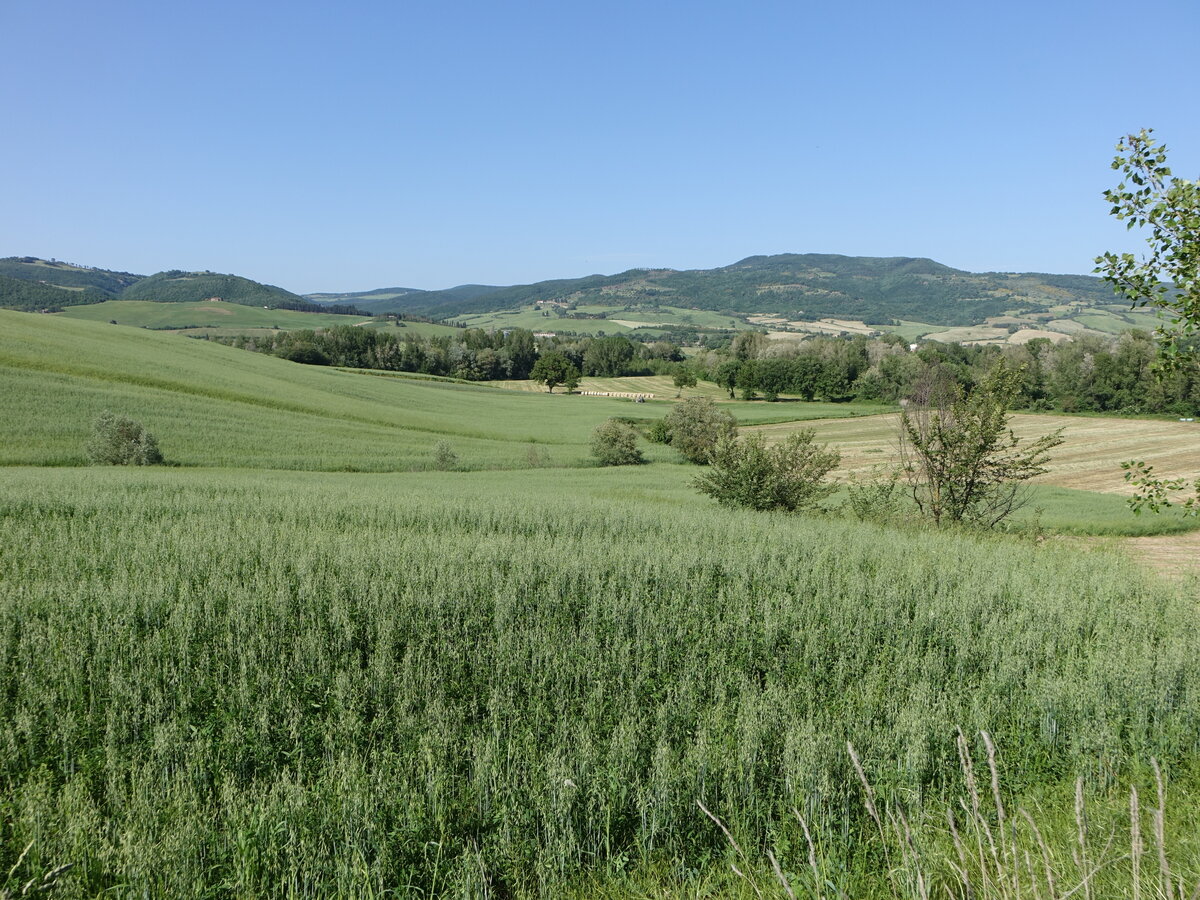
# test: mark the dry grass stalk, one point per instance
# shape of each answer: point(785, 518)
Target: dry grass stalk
point(1041, 842)
point(736, 847)
point(1160, 829)
point(1081, 831)
point(1135, 841)
point(818, 879)
point(779, 874)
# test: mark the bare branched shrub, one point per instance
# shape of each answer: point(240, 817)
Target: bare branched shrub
point(961, 460)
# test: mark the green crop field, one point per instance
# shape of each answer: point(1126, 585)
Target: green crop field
point(255, 674)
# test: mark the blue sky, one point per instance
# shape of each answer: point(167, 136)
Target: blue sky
point(371, 144)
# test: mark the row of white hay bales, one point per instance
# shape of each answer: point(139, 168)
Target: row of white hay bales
point(630, 394)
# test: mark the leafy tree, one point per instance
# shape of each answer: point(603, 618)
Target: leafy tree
point(789, 475)
point(607, 357)
point(695, 426)
point(684, 378)
point(1150, 196)
point(727, 375)
point(1169, 278)
point(614, 443)
point(961, 460)
point(120, 441)
point(553, 369)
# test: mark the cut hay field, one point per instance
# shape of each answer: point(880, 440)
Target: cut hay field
point(788, 409)
point(661, 386)
point(1089, 460)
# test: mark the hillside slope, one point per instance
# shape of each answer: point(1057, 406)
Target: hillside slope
point(212, 405)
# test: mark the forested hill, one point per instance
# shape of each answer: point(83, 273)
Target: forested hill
point(32, 283)
point(188, 287)
point(32, 296)
point(54, 273)
point(806, 286)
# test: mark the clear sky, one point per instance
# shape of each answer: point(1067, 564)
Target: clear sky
point(348, 146)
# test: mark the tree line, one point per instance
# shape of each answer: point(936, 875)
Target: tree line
point(1085, 374)
point(472, 354)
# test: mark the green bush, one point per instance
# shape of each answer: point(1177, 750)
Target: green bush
point(659, 433)
point(444, 456)
point(789, 475)
point(120, 441)
point(614, 443)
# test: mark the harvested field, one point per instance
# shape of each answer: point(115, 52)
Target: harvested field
point(1173, 555)
point(1089, 460)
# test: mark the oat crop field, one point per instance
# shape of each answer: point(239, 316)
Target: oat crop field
point(266, 672)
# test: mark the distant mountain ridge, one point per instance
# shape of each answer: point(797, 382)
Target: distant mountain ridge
point(792, 286)
point(804, 286)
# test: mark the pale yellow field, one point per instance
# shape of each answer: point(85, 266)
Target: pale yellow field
point(1089, 460)
point(661, 386)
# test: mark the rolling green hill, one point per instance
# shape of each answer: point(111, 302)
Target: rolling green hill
point(212, 405)
point(191, 287)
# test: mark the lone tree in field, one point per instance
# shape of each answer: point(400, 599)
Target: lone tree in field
point(120, 441)
point(553, 369)
point(1149, 196)
point(961, 460)
point(684, 378)
point(695, 426)
point(788, 476)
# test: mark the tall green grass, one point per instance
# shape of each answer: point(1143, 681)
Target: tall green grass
point(470, 684)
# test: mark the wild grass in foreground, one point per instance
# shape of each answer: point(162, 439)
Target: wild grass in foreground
point(983, 844)
point(458, 684)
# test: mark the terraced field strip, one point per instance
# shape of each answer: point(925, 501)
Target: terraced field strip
point(1089, 460)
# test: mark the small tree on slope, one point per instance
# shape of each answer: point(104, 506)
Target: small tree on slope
point(961, 460)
